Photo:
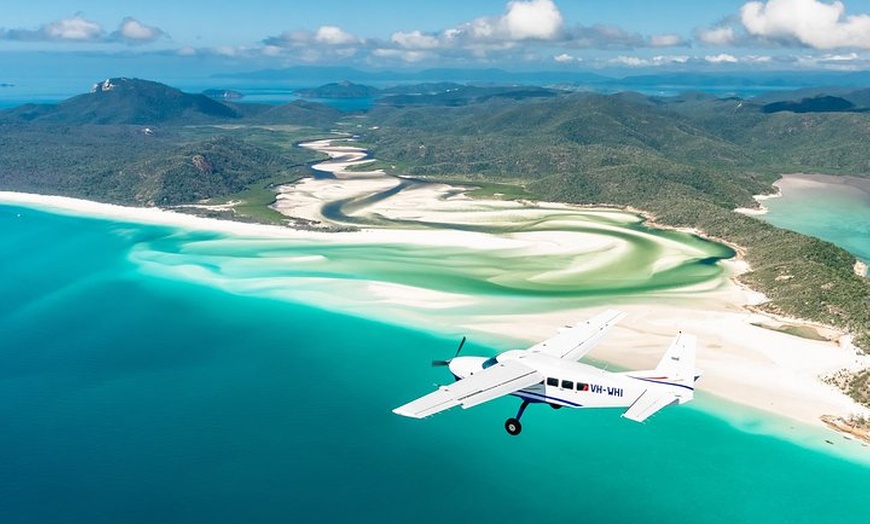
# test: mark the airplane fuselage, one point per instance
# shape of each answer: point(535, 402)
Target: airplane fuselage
point(566, 383)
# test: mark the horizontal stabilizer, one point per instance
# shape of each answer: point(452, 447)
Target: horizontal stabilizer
point(648, 404)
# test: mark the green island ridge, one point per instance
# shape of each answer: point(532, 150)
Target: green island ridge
point(685, 161)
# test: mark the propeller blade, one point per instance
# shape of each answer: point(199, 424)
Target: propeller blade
point(459, 348)
point(437, 363)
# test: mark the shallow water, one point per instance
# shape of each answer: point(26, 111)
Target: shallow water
point(826, 208)
point(132, 397)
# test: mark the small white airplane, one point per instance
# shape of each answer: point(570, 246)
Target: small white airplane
point(549, 373)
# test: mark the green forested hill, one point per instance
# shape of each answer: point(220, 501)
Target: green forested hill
point(344, 89)
point(123, 164)
point(215, 167)
point(299, 113)
point(139, 142)
point(126, 101)
point(131, 101)
point(585, 148)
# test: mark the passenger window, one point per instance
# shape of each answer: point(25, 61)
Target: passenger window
point(552, 381)
point(568, 384)
point(582, 387)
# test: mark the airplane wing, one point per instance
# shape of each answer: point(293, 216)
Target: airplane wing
point(493, 382)
point(574, 342)
point(648, 403)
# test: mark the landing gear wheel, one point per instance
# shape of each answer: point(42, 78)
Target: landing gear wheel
point(513, 426)
point(556, 406)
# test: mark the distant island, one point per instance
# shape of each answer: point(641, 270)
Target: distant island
point(684, 161)
point(427, 94)
point(817, 104)
point(343, 89)
point(223, 94)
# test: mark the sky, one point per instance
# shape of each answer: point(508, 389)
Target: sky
point(584, 35)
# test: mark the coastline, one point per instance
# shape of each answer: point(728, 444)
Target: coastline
point(743, 363)
point(761, 209)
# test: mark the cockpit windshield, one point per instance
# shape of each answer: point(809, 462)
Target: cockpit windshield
point(490, 362)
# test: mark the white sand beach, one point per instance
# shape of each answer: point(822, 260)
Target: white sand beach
point(760, 210)
point(743, 363)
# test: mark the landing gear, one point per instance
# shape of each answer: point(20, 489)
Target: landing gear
point(512, 425)
point(556, 406)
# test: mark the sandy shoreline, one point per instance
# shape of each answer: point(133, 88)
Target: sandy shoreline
point(760, 210)
point(742, 362)
point(800, 180)
point(804, 180)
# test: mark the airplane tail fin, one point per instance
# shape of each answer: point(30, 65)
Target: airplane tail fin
point(675, 377)
point(678, 363)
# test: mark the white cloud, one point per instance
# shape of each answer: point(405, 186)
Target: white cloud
point(670, 59)
point(522, 20)
point(534, 19)
point(332, 35)
point(415, 40)
point(405, 56)
point(79, 29)
point(656, 61)
point(666, 40)
point(851, 57)
point(758, 59)
point(808, 22)
point(324, 37)
point(564, 58)
point(271, 50)
point(835, 62)
point(133, 30)
point(722, 58)
point(226, 50)
point(76, 28)
point(631, 61)
point(524, 30)
point(724, 35)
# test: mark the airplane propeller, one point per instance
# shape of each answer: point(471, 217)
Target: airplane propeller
point(436, 363)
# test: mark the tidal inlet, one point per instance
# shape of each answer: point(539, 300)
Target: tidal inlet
point(411, 251)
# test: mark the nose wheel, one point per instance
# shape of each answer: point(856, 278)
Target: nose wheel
point(513, 425)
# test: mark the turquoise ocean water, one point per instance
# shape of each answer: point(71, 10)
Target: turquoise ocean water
point(826, 209)
point(126, 397)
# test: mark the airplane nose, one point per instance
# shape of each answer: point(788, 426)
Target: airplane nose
point(462, 367)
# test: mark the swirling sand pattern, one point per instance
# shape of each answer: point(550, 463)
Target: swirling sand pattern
point(432, 239)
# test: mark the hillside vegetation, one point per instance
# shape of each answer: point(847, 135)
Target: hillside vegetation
point(687, 161)
point(137, 142)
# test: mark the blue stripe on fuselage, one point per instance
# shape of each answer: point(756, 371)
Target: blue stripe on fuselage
point(690, 388)
point(537, 397)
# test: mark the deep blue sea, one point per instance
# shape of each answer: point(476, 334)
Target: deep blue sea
point(127, 397)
